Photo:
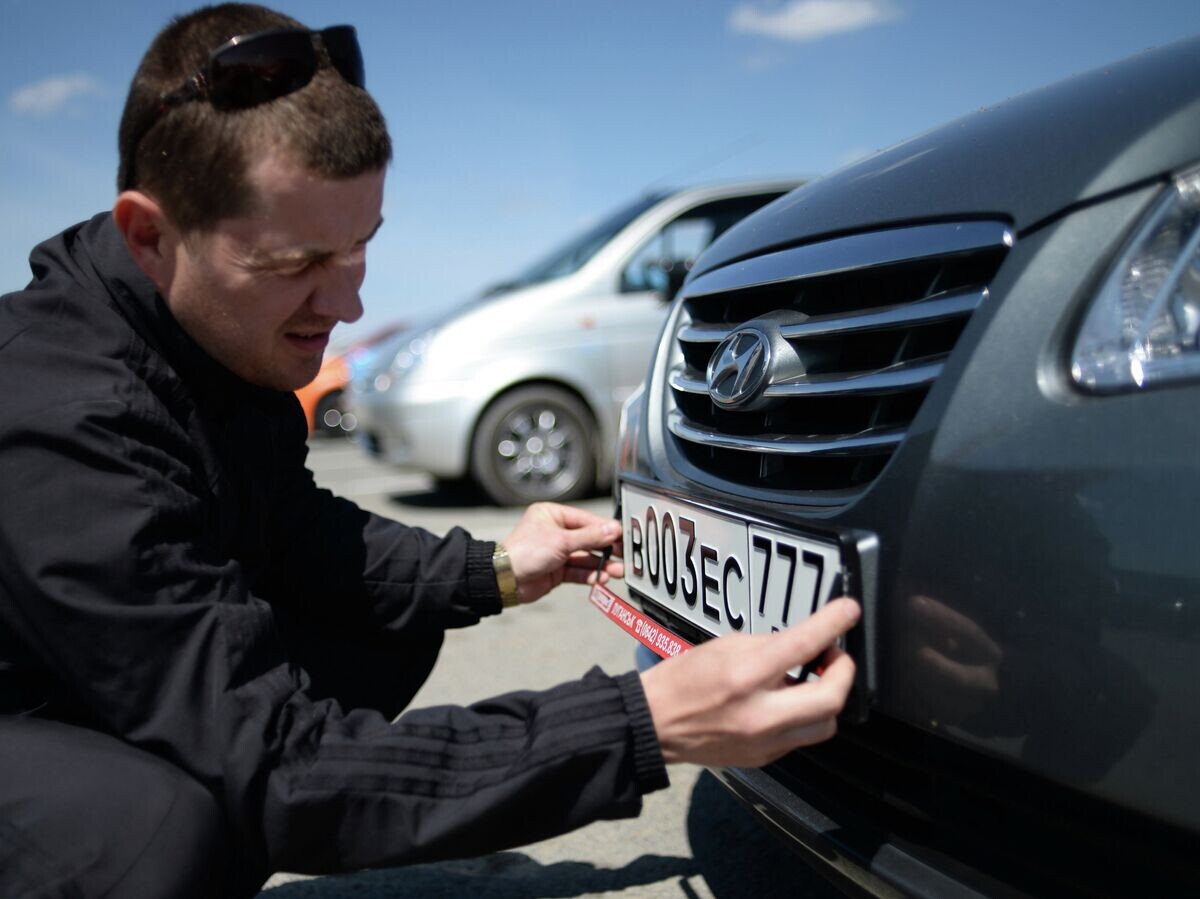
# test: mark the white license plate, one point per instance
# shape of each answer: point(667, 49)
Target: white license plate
point(719, 572)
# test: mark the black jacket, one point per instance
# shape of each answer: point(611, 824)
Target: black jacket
point(170, 574)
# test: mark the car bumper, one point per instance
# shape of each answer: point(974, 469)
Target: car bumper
point(885, 810)
point(855, 859)
point(422, 428)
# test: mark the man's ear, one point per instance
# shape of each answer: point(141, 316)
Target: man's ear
point(149, 235)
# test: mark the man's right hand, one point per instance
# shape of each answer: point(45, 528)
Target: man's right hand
point(730, 702)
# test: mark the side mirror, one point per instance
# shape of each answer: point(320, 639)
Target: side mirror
point(667, 276)
point(676, 276)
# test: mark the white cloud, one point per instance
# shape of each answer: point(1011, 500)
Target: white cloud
point(48, 96)
point(810, 20)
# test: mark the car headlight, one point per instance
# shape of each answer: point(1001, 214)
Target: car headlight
point(1143, 326)
point(406, 359)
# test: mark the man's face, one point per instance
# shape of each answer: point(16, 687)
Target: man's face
point(261, 293)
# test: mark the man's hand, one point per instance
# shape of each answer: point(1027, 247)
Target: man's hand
point(729, 701)
point(552, 543)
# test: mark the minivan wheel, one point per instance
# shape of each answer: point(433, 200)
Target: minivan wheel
point(535, 444)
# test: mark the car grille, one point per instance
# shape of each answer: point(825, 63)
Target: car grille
point(871, 317)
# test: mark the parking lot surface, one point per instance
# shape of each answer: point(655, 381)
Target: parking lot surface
point(692, 840)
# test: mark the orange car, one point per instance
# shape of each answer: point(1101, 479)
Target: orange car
point(321, 397)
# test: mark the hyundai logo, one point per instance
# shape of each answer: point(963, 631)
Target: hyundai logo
point(738, 368)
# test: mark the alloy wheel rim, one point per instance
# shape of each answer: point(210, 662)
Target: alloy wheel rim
point(539, 450)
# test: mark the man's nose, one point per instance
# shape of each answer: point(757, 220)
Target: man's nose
point(336, 294)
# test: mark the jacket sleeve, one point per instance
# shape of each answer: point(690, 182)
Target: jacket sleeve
point(109, 581)
point(333, 556)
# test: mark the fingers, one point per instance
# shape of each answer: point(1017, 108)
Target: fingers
point(734, 727)
point(572, 517)
point(591, 574)
point(583, 558)
point(549, 536)
point(591, 561)
point(804, 714)
point(803, 642)
point(795, 704)
point(595, 535)
point(578, 529)
point(568, 516)
point(805, 735)
point(838, 676)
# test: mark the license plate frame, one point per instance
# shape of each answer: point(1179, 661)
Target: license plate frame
point(745, 575)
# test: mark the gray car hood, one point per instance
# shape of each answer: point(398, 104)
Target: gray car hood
point(1022, 160)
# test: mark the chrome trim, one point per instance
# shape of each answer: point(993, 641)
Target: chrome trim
point(816, 342)
point(900, 315)
point(857, 251)
point(865, 443)
point(739, 367)
point(893, 379)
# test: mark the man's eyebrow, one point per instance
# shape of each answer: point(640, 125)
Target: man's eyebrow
point(303, 254)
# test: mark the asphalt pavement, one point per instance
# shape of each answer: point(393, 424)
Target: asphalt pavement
point(691, 840)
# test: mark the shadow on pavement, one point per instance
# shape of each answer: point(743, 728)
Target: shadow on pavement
point(461, 494)
point(503, 875)
point(733, 855)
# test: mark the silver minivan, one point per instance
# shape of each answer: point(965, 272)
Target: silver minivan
point(521, 389)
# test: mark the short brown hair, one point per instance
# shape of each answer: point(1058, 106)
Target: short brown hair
point(194, 159)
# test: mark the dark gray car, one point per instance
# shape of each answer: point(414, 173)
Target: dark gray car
point(960, 380)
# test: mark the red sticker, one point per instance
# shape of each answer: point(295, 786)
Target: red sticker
point(649, 632)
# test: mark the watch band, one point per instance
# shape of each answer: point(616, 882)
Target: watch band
point(505, 579)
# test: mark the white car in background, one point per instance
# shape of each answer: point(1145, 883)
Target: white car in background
point(522, 389)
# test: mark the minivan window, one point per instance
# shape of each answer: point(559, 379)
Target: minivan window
point(677, 244)
point(572, 257)
point(683, 239)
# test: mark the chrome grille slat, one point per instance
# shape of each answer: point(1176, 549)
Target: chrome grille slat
point(863, 326)
point(903, 376)
point(862, 444)
point(857, 252)
point(902, 315)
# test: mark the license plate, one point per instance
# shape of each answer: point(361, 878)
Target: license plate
point(721, 573)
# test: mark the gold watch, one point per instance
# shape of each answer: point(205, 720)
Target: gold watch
point(505, 579)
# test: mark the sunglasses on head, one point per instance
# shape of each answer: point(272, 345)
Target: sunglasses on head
point(256, 68)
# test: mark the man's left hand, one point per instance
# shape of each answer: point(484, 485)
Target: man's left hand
point(553, 543)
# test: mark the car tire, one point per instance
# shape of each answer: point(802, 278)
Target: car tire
point(329, 420)
point(535, 444)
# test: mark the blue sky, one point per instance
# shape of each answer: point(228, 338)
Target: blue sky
point(518, 122)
